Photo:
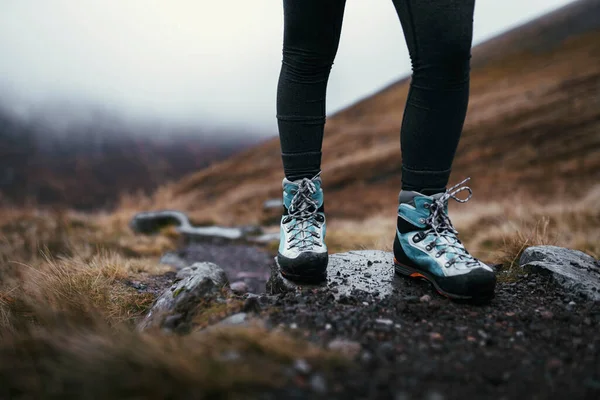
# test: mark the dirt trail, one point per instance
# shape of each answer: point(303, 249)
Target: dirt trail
point(533, 340)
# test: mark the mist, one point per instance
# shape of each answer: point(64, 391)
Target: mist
point(191, 62)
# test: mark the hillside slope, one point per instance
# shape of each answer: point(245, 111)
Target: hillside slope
point(88, 164)
point(533, 128)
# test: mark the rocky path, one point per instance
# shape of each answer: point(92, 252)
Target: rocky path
point(538, 338)
point(535, 339)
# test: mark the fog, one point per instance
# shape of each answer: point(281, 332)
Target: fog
point(196, 61)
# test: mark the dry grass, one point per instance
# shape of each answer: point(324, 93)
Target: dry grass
point(67, 321)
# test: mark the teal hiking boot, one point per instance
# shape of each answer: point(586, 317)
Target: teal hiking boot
point(302, 255)
point(427, 247)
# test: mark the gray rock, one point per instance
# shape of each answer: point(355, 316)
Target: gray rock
point(239, 287)
point(574, 270)
point(349, 348)
point(239, 319)
point(371, 271)
point(176, 305)
point(151, 222)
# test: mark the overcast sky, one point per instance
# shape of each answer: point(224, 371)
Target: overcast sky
point(201, 61)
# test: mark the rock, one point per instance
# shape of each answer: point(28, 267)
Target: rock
point(273, 203)
point(239, 287)
point(318, 384)
point(252, 304)
point(572, 269)
point(425, 298)
point(348, 348)
point(302, 366)
point(346, 272)
point(152, 222)
point(176, 305)
point(235, 319)
point(384, 321)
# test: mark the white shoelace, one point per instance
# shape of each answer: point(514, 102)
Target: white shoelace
point(446, 235)
point(303, 209)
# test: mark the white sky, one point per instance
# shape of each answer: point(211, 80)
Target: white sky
point(199, 61)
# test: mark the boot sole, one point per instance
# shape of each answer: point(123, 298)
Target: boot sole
point(308, 273)
point(410, 272)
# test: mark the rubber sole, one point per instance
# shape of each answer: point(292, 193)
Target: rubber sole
point(410, 272)
point(309, 272)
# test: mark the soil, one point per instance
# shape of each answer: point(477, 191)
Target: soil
point(533, 340)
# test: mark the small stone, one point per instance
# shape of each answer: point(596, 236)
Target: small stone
point(425, 298)
point(293, 325)
point(235, 319)
point(327, 327)
point(471, 339)
point(252, 304)
point(384, 321)
point(318, 384)
point(435, 336)
point(239, 287)
point(348, 348)
point(547, 314)
point(571, 305)
point(364, 303)
point(302, 366)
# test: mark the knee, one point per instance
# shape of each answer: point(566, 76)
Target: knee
point(447, 67)
point(307, 66)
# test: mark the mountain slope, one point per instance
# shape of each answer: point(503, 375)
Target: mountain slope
point(533, 127)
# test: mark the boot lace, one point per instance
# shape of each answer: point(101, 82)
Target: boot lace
point(446, 236)
point(304, 210)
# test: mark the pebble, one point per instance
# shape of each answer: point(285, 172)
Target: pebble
point(239, 287)
point(302, 366)
point(327, 327)
point(571, 305)
point(318, 384)
point(435, 336)
point(425, 298)
point(349, 348)
point(293, 325)
point(547, 314)
point(384, 321)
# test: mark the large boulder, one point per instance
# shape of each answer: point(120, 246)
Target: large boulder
point(370, 271)
point(574, 270)
point(174, 308)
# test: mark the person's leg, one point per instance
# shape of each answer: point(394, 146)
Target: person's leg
point(426, 245)
point(439, 36)
point(311, 35)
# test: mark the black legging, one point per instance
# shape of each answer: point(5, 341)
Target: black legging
point(438, 34)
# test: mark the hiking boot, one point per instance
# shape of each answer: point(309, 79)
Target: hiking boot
point(427, 246)
point(302, 255)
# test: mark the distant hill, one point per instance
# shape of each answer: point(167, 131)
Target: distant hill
point(533, 127)
point(87, 164)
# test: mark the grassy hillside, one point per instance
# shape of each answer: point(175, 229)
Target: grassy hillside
point(533, 129)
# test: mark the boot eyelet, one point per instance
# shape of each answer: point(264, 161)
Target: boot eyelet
point(438, 255)
point(428, 248)
point(447, 265)
point(421, 220)
point(416, 238)
point(426, 206)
